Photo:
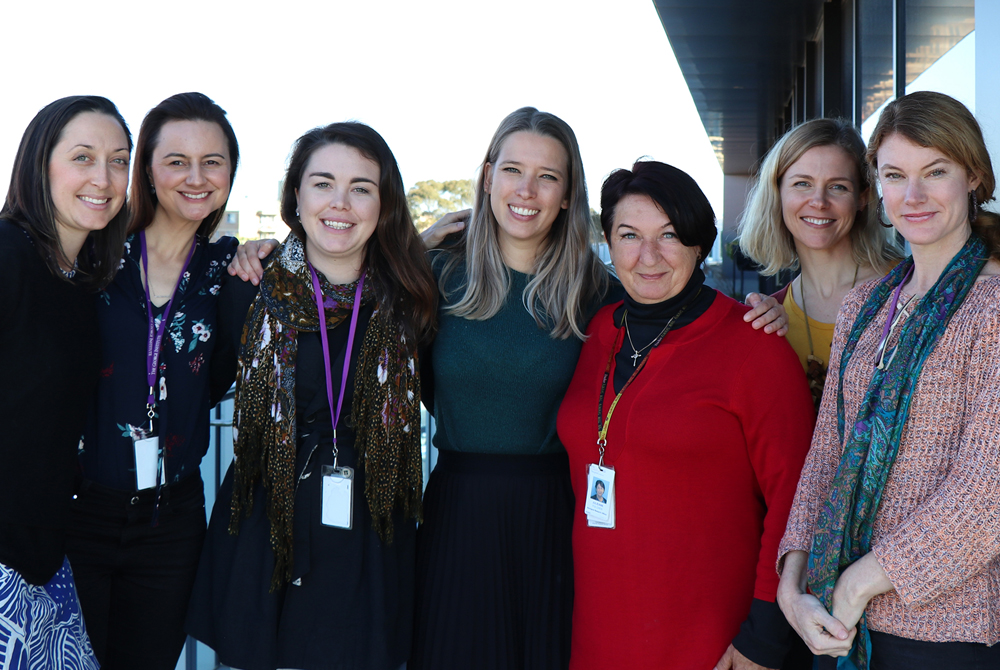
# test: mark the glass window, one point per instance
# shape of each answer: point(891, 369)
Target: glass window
point(933, 27)
point(875, 55)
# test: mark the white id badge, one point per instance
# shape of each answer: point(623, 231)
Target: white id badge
point(600, 506)
point(147, 451)
point(337, 498)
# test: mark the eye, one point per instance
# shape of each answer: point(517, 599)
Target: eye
point(82, 158)
point(362, 190)
point(626, 235)
point(212, 162)
point(669, 235)
point(892, 176)
point(550, 177)
point(801, 184)
point(322, 185)
point(938, 172)
point(176, 163)
point(839, 187)
point(120, 161)
point(512, 170)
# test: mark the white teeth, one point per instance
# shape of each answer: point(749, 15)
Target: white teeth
point(196, 197)
point(336, 225)
point(523, 211)
point(816, 222)
point(96, 201)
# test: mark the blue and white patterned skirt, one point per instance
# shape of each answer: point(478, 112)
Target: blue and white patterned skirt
point(41, 626)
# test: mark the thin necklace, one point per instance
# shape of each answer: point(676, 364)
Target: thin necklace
point(638, 352)
point(802, 296)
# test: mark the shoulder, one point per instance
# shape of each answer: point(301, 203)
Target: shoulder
point(17, 252)
point(222, 249)
point(14, 237)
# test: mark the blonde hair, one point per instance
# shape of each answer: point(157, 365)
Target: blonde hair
point(936, 120)
point(568, 275)
point(762, 233)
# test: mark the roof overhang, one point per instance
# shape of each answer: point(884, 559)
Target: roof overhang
point(739, 58)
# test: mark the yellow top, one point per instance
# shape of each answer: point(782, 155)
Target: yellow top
point(822, 333)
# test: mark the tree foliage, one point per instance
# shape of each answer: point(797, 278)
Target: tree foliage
point(430, 200)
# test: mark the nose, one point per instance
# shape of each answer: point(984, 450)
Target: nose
point(526, 187)
point(819, 198)
point(914, 191)
point(339, 199)
point(100, 177)
point(649, 253)
point(196, 175)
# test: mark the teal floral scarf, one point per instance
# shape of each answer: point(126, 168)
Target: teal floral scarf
point(844, 526)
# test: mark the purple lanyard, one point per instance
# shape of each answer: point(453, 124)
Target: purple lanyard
point(889, 319)
point(335, 416)
point(155, 338)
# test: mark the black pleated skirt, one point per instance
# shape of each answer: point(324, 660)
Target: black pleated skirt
point(494, 586)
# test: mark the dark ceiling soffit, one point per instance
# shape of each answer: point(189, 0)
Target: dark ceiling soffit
point(739, 58)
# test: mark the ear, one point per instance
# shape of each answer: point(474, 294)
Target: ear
point(487, 178)
point(863, 198)
point(565, 204)
point(974, 181)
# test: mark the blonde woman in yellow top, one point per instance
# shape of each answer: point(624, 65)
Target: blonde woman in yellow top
point(812, 208)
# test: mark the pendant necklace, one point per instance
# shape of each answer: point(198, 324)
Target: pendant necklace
point(815, 366)
point(637, 352)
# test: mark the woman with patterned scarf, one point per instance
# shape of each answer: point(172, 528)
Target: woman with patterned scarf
point(310, 554)
point(894, 530)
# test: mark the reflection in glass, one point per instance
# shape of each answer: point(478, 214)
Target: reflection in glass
point(932, 28)
point(875, 54)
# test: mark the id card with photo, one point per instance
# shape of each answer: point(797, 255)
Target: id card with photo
point(338, 485)
point(147, 453)
point(600, 505)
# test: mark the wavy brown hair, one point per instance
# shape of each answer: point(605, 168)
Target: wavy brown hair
point(936, 120)
point(29, 198)
point(394, 255)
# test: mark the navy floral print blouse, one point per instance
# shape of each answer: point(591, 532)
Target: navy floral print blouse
point(196, 367)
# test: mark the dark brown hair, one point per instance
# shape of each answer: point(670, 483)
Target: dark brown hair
point(29, 198)
point(395, 256)
point(674, 191)
point(180, 107)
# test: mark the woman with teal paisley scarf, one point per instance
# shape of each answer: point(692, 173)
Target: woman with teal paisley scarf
point(891, 557)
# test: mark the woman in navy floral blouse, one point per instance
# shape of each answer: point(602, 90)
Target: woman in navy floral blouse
point(139, 518)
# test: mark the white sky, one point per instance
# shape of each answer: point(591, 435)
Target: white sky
point(434, 77)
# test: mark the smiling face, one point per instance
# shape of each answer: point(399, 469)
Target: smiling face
point(339, 205)
point(650, 260)
point(925, 194)
point(820, 198)
point(190, 170)
point(528, 186)
point(88, 174)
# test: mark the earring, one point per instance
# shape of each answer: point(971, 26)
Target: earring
point(880, 213)
point(973, 206)
point(296, 213)
point(152, 189)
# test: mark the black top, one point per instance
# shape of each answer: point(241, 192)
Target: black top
point(49, 349)
point(196, 368)
point(351, 603)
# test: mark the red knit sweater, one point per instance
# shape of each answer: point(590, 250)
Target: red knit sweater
point(707, 444)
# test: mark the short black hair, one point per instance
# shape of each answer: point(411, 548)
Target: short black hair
point(674, 191)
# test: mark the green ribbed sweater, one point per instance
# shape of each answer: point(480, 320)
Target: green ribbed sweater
point(497, 384)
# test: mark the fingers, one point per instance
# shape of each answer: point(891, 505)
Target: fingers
point(246, 263)
point(448, 224)
point(766, 314)
point(726, 662)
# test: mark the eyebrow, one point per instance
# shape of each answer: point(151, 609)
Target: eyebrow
point(544, 169)
point(88, 146)
point(327, 175)
point(664, 226)
point(942, 159)
point(809, 176)
point(177, 154)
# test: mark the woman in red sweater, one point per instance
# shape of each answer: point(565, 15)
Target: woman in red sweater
point(698, 461)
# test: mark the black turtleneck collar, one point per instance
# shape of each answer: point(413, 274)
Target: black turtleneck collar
point(645, 321)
